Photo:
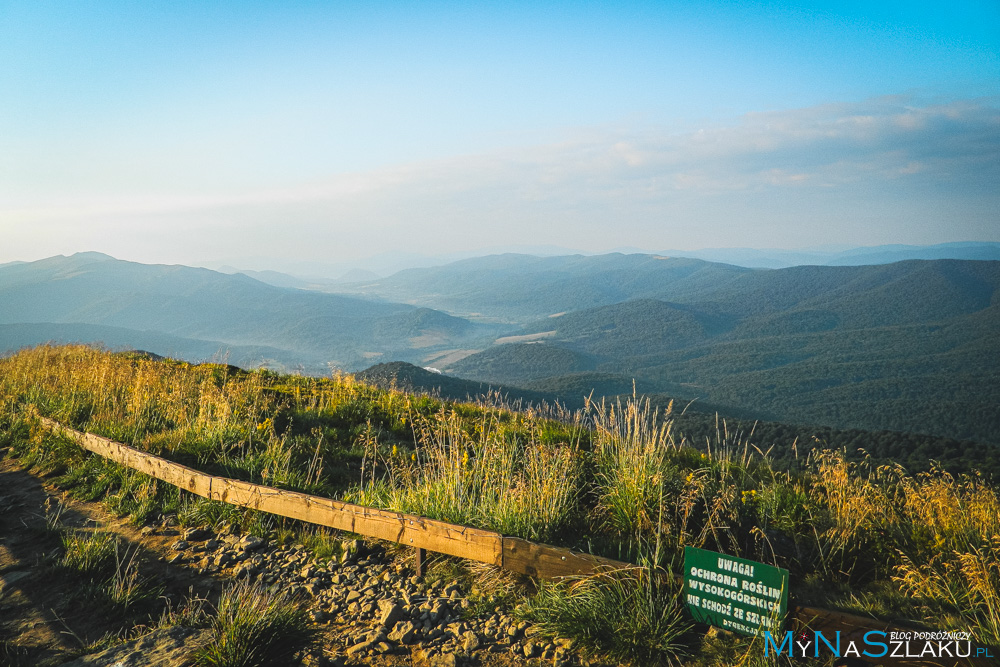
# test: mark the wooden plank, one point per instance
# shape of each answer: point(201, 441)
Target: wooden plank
point(545, 562)
point(172, 473)
point(537, 560)
point(167, 471)
point(454, 540)
point(109, 449)
point(415, 531)
point(182, 477)
point(236, 492)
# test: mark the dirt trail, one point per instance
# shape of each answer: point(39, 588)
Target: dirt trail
point(44, 622)
point(28, 627)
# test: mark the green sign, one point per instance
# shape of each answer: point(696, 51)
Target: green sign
point(734, 593)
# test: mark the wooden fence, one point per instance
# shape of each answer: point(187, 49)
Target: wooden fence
point(510, 553)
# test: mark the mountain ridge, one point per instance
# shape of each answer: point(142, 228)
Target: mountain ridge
point(237, 310)
point(904, 346)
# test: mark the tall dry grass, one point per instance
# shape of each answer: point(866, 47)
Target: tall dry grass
point(486, 472)
point(954, 560)
point(933, 535)
point(651, 486)
point(132, 398)
point(618, 474)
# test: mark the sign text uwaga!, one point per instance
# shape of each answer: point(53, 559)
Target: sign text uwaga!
point(734, 593)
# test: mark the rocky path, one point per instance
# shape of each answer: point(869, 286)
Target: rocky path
point(371, 607)
point(372, 603)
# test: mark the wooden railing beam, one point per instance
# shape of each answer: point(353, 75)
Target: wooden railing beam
point(423, 534)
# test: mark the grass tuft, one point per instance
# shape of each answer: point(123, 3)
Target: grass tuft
point(485, 472)
point(627, 616)
point(256, 627)
point(89, 553)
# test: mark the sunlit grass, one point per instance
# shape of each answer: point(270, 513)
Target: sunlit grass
point(617, 478)
point(479, 473)
point(255, 627)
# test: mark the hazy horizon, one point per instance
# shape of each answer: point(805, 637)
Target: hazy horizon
point(329, 135)
point(388, 263)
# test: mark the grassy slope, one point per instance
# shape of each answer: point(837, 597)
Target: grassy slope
point(699, 421)
point(616, 481)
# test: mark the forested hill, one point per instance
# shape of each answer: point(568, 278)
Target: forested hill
point(410, 378)
point(698, 423)
point(910, 346)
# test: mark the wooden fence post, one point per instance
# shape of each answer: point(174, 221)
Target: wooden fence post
point(419, 557)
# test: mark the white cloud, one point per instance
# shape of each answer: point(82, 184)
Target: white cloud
point(877, 171)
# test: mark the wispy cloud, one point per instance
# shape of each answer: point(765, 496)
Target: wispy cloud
point(922, 172)
point(826, 146)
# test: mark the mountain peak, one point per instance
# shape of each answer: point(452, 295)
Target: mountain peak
point(92, 255)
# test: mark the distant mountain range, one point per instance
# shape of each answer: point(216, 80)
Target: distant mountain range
point(322, 275)
point(521, 288)
point(908, 346)
point(196, 313)
point(882, 254)
point(905, 346)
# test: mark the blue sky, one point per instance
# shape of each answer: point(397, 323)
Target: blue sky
point(244, 132)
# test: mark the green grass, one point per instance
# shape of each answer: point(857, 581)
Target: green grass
point(325, 544)
point(616, 479)
point(628, 616)
point(485, 471)
point(105, 571)
point(89, 553)
point(255, 627)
